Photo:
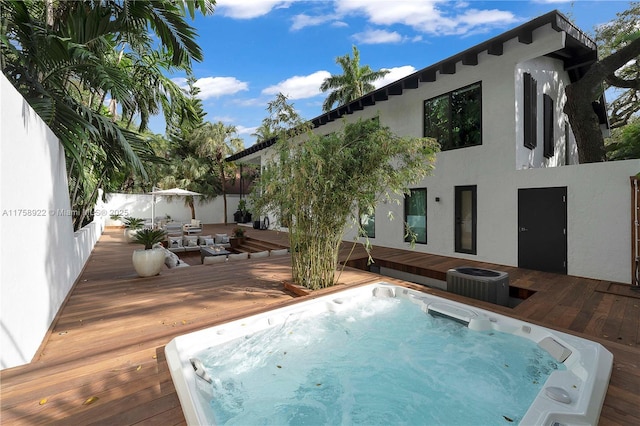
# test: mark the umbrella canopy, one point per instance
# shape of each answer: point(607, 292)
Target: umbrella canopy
point(174, 191)
point(168, 192)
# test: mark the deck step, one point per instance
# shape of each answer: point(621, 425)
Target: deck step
point(251, 245)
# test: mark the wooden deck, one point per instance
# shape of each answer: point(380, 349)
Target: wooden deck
point(103, 360)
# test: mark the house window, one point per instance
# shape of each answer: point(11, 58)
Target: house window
point(368, 224)
point(415, 215)
point(530, 111)
point(455, 118)
point(549, 143)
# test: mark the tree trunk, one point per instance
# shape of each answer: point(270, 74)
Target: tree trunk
point(224, 191)
point(588, 89)
point(585, 125)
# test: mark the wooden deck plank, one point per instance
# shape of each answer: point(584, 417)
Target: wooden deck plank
point(108, 340)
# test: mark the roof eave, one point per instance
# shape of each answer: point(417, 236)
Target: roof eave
point(576, 65)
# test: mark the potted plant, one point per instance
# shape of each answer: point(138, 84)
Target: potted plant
point(237, 237)
point(148, 261)
point(240, 216)
point(132, 225)
point(116, 220)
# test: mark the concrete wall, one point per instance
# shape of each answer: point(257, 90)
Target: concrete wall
point(40, 255)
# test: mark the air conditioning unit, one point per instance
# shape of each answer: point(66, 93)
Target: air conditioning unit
point(478, 283)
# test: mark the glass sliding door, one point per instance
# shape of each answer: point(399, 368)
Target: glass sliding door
point(415, 215)
point(465, 219)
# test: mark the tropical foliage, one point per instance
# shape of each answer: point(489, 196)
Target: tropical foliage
point(618, 67)
point(354, 83)
point(624, 143)
point(195, 155)
point(68, 58)
point(149, 237)
point(610, 38)
point(215, 142)
point(317, 184)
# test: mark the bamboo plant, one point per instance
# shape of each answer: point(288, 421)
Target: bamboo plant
point(318, 184)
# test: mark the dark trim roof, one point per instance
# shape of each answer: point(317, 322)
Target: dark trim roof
point(578, 55)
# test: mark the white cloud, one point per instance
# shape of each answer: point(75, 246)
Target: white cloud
point(214, 87)
point(224, 119)
point(377, 37)
point(395, 74)
point(303, 20)
point(424, 16)
point(299, 87)
point(249, 9)
point(244, 130)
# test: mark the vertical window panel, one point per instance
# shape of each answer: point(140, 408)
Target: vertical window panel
point(415, 214)
point(368, 223)
point(465, 219)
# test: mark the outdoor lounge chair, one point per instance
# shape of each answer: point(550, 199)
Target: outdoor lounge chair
point(192, 228)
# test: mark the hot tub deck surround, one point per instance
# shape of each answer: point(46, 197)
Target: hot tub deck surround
point(103, 360)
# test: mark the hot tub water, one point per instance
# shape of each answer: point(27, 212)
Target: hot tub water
point(353, 357)
point(380, 361)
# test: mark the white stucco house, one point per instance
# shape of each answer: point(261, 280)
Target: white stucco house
point(507, 188)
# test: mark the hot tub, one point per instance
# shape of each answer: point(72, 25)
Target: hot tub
point(570, 392)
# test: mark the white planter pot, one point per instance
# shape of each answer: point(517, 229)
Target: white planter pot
point(148, 263)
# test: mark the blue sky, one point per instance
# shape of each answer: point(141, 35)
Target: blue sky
point(254, 49)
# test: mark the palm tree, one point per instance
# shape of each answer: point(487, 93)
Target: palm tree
point(66, 57)
point(216, 142)
point(263, 132)
point(354, 83)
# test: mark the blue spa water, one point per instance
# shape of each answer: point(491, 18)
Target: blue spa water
point(382, 362)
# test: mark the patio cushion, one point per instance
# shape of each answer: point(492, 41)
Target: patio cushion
point(238, 256)
point(279, 252)
point(214, 259)
point(202, 240)
point(173, 227)
point(259, 254)
point(190, 241)
point(175, 242)
point(221, 239)
point(171, 259)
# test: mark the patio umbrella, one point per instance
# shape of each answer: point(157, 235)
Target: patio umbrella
point(168, 192)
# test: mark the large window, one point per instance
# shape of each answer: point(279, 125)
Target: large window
point(455, 118)
point(415, 215)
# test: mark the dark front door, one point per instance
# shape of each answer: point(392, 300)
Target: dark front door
point(542, 229)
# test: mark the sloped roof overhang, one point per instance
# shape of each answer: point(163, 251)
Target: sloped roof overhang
point(578, 54)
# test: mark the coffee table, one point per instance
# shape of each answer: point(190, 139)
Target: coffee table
point(212, 251)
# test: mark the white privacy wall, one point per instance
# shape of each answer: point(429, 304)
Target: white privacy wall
point(139, 205)
point(40, 255)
